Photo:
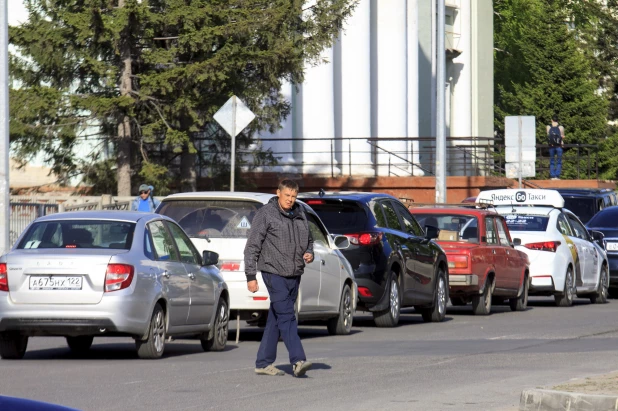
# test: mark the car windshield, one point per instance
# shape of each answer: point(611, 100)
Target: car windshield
point(453, 227)
point(79, 234)
point(212, 218)
point(583, 207)
point(605, 219)
point(340, 217)
point(523, 222)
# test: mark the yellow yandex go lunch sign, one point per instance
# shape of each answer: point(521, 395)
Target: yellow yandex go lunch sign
point(550, 198)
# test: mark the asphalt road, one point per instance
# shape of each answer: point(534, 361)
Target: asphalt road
point(465, 363)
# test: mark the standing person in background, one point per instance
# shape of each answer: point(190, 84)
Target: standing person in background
point(279, 245)
point(555, 135)
point(145, 201)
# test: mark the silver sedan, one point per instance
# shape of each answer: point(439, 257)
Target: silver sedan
point(110, 273)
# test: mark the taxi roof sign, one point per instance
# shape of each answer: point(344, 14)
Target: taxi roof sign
point(514, 197)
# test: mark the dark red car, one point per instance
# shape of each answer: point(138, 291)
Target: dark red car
point(482, 261)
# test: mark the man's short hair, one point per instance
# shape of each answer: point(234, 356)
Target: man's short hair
point(554, 118)
point(289, 184)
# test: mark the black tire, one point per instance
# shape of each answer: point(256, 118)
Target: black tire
point(481, 304)
point(342, 324)
point(600, 297)
point(219, 329)
point(520, 303)
point(13, 345)
point(81, 344)
point(154, 345)
point(390, 316)
point(565, 299)
point(437, 312)
point(458, 301)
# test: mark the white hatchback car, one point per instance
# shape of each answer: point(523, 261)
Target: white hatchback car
point(220, 222)
point(565, 258)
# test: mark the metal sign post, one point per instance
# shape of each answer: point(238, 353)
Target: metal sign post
point(520, 141)
point(233, 117)
point(4, 128)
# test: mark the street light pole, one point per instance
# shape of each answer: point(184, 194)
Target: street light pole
point(440, 106)
point(4, 128)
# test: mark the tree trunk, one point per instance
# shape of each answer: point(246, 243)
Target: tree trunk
point(188, 177)
point(124, 127)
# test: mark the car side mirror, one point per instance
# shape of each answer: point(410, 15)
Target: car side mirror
point(341, 242)
point(597, 236)
point(431, 232)
point(209, 258)
point(516, 241)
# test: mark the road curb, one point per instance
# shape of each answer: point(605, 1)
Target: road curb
point(549, 400)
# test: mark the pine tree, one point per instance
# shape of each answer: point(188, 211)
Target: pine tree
point(151, 73)
point(541, 70)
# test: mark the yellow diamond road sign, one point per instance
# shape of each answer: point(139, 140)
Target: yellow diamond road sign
point(234, 116)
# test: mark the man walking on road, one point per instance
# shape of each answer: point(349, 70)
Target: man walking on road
point(555, 136)
point(279, 245)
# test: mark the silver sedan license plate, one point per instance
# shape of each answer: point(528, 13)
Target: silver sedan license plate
point(56, 282)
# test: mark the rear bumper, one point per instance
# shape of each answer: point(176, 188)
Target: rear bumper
point(542, 285)
point(124, 314)
point(456, 281)
point(241, 299)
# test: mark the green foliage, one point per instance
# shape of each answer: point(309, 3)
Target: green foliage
point(542, 68)
point(187, 57)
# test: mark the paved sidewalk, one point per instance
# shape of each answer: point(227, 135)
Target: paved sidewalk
point(594, 393)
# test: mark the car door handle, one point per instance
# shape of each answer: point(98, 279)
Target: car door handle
point(323, 262)
point(192, 276)
point(166, 274)
point(493, 251)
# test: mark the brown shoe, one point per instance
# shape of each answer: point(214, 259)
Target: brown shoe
point(269, 370)
point(301, 367)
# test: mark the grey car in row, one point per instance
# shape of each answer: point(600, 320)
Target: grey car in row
point(110, 273)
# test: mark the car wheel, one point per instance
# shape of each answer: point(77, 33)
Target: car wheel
point(520, 303)
point(437, 312)
point(342, 324)
point(220, 329)
point(600, 297)
point(81, 344)
point(390, 316)
point(481, 304)
point(154, 345)
point(565, 299)
point(458, 301)
point(13, 345)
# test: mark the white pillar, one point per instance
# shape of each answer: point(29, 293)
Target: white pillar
point(392, 89)
point(355, 41)
point(413, 118)
point(318, 117)
point(461, 78)
point(284, 148)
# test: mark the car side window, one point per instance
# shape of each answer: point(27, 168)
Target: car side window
point(376, 210)
point(409, 223)
point(502, 234)
point(188, 253)
point(162, 242)
point(490, 231)
point(318, 235)
point(392, 221)
point(148, 245)
point(580, 230)
point(563, 225)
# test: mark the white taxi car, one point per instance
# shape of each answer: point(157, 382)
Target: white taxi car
point(220, 222)
point(565, 258)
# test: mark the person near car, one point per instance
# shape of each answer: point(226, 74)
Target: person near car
point(555, 135)
point(279, 245)
point(145, 201)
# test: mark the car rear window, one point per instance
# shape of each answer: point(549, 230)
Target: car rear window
point(340, 217)
point(605, 218)
point(582, 207)
point(79, 234)
point(522, 222)
point(212, 218)
point(463, 227)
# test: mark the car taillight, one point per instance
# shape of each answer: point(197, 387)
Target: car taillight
point(365, 292)
point(457, 261)
point(230, 266)
point(364, 238)
point(544, 246)
point(118, 277)
point(4, 279)
point(314, 202)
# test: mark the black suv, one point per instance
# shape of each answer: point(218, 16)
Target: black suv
point(586, 202)
point(395, 264)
